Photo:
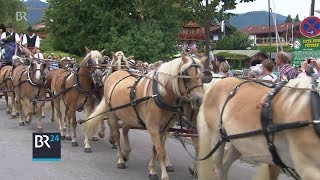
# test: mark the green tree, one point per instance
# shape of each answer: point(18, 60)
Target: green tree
point(8, 11)
point(235, 41)
point(296, 19)
point(288, 19)
point(144, 28)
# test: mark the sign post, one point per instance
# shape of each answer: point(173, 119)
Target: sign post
point(304, 48)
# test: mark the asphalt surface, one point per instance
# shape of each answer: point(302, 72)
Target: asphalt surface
point(16, 156)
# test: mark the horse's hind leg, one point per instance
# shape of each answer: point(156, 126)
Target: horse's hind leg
point(19, 109)
point(28, 109)
point(169, 165)
point(267, 172)
point(127, 148)
point(152, 169)
point(230, 155)
point(116, 134)
point(111, 138)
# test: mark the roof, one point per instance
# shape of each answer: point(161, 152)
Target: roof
point(39, 25)
point(265, 28)
point(249, 53)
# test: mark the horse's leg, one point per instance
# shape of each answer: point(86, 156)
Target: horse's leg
point(19, 109)
point(116, 135)
point(267, 172)
point(39, 114)
point(66, 120)
point(152, 169)
point(230, 155)
point(160, 149)
point(28, 109)
point(127, 148)
point(52, 111)
point(207, 139)
point(72, 115)
point(7, 102)
point(169, 165)
point(111, 138)
point(13, 105)
point(193, 167)
point(88, 108)
point(102, 129)
point(62, 128)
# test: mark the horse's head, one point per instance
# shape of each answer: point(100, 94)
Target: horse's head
point(92, 61)
point(37, 68)
point(186, 74)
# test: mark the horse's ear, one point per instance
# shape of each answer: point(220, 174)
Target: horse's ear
point(184, 57)
point(101, 52)
point(87, 50)
point(203, 59)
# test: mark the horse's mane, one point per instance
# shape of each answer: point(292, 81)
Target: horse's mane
point(94, 55)
point(168, 70)
point(117, 62)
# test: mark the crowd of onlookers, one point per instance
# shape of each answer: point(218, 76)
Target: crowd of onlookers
point(270, 71)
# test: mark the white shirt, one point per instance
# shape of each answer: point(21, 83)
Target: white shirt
point(25, 41)
point(272, 78)
point(4, 35)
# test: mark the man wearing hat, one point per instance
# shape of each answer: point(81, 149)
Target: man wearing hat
point(9, 38)
point(31, 40)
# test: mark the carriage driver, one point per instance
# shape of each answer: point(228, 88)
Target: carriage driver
point(31, 41)
point(9, 38)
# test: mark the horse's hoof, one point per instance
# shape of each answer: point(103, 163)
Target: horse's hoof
point(28, 120)
point(153, 176)
point(74, 144)
point(53, 120)
point(87, 150)
point(94, 139)
point(63, 137)
point(169, 168)
point(101, 135)
point(114, 146)
point(68, 138)
point(125, 159)
point(8, 111)
point(39, 130)
point(121, 166)
point(13, 116)
point(21, 123)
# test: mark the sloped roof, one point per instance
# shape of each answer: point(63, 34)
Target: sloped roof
point(249, 53)
point(265, 29)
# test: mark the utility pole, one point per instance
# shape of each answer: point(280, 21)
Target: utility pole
point(207, 34)
point(269, 28)
point(312, 8)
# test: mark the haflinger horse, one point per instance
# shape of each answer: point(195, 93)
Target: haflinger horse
point(7, 85)
point(75, 91)
point(150, 106)
point(255, 118)
point(29, 84)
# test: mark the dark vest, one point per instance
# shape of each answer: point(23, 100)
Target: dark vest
point(12, 38)
point(31, 42)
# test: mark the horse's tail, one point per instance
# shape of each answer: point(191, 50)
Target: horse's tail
point(95, 118)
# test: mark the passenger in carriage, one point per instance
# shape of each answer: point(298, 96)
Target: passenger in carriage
point(286, 70)
point(268, 77)
point(10, 40)
point(254, 72)
point(218, 60)
point(132, 66)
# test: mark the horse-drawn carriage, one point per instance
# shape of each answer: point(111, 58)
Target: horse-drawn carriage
point(231, 110)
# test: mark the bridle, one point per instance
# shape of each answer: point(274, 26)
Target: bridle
point(185, 77)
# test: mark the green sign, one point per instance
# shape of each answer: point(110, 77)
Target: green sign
point(304, 48)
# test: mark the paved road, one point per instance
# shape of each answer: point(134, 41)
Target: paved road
point(16, 155)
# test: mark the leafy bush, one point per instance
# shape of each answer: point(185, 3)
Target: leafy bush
point(235, 41)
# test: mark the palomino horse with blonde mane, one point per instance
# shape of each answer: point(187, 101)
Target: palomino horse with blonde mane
point(272, 126)
point(150, 104)
point(75, 91)
point(29, 84)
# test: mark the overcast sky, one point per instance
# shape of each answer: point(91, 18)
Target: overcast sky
point(283, 7)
